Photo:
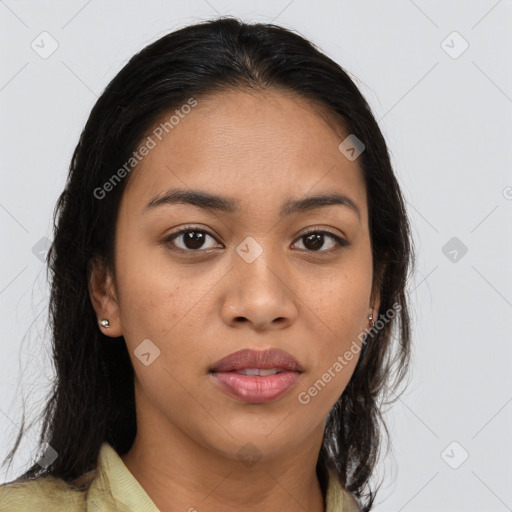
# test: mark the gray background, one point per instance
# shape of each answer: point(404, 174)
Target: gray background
point(445, 113)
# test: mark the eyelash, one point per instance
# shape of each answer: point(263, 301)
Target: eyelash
point(170, 239)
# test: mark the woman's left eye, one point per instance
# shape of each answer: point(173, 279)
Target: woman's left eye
point(315, 240)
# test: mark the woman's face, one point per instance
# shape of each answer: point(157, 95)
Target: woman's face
point(243, 277)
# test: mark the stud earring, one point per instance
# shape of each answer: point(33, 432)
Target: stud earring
point(105, 323)
point(370, 318)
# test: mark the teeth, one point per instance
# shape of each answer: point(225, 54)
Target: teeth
point(258, 372)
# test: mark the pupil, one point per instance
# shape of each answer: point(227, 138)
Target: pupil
point(193, 241)
point(317, 241)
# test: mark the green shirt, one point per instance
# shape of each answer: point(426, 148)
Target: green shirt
point(112, 489)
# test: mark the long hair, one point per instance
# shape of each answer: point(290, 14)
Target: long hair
point(92, 397)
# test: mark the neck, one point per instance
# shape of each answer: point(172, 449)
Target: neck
point(180, 474)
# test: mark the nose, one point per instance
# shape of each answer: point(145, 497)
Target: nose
point(260, 294)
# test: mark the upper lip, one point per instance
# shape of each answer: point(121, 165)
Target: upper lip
point(263, 359)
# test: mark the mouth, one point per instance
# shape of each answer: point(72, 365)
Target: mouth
point(259, 372)
point(255, 376)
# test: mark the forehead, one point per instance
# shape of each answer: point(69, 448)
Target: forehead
point(256, 145)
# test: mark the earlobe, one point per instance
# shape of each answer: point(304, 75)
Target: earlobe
point(103, 298)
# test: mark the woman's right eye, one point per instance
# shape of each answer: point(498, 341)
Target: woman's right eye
point(189, 240)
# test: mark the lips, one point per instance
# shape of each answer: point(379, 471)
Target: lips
point(257, 359)
point(256, 377)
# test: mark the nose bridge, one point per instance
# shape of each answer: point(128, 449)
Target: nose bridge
point(259, 291)
point(257, 263)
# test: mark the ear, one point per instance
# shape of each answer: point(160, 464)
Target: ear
point(103, 297)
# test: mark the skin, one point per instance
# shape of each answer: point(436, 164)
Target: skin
point(197, 307)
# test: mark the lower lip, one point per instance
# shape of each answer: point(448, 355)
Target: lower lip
point(254, 389)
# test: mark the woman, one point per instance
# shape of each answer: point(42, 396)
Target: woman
point(229, 264)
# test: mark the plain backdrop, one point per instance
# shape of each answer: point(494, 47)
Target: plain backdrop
point(437, 75)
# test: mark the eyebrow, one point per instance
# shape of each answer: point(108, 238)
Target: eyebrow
point(209, 201)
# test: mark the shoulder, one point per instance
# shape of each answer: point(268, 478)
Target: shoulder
point(349, 502)
point(339, 499)
point(42, 493)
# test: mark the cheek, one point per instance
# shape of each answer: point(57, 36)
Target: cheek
point(148, 296)
point(343, 302)
point(161, 302)
point(342, 307)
